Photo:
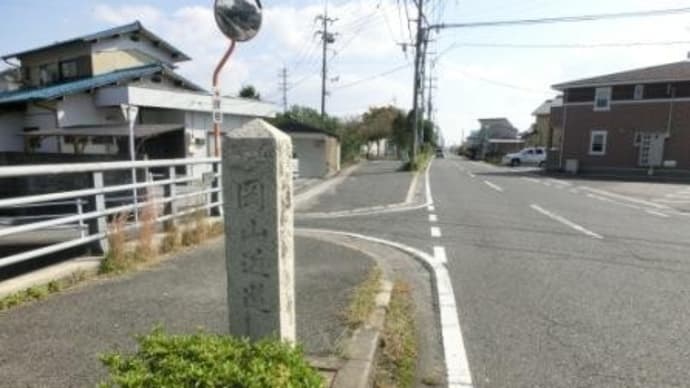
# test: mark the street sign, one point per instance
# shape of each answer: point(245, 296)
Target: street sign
point(217, 108)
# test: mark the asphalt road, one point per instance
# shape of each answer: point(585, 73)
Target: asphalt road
point(556, 285)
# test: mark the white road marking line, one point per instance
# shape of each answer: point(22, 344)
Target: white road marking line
point(546, 184)
point(455, 356)
point(560, 182)
point(624, 197)
point(533, 180)
point(565, 221)
point(494, 186)
point(609, 200)
point(673, 200)
point(429, 198)
point(431, 208)
point(440, 255)
point(656, 213)
point(470, 174)
point(433, 218)
point(435, 231)
point(574, 191)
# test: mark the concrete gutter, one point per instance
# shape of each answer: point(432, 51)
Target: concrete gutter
point(362, 349)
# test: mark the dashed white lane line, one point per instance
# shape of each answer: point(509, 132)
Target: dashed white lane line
point(435, 231)
point(494, 186)
point(440, 255)
point(533, 180)
point(565, 221)
point(433, 218)
point(431, 208)
point(560, 182)
point(656, 213)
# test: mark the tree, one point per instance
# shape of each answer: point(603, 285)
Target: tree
point(309, 116)
point(249, 91)
point(377, 124)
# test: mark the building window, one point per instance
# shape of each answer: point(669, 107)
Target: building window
point(602, 99)
point(104, 140)
point(597, 143)
point(638, 139)
point(49, 74)
point(639, 92)
point(69, 69)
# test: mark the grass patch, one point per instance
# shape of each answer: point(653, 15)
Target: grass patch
point(172, 240)
point(363, 300)
point(40, 292)
point(421, 160)
point(146, 249)
point(207, 360)
point(398, 360)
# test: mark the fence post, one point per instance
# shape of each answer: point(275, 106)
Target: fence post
point(80, 211)
point(99, 225)
point(217, 196)
point(171, 193)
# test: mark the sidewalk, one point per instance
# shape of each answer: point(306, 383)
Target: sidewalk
point(356, 190)
point(56, 342)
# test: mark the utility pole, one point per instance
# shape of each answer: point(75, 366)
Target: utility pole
point(327, 38)
point(421, 35)
point(284, 87)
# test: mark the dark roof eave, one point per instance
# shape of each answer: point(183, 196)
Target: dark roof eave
point(573, 85)
point(116, 31)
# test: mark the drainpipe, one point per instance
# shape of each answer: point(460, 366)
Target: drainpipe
point(670, 112)
point(564, 121)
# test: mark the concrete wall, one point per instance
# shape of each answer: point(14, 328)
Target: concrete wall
point(319, 155)
point(622, 122)
point(11, 125)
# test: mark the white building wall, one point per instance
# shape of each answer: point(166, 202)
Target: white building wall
point(80, 109)
point(11, 125)
point(43, 119)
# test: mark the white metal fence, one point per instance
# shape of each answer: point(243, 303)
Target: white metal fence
point(171, 183)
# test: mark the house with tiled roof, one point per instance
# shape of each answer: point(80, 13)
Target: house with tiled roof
point(631, 121)
point(66, 98)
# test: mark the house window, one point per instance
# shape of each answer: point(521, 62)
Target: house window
point(49, 74)
point(69, 69)
point(597, 143)
point(639, 92)
point(638, 139)
point(31, 142)
point(602, 99)
point(104, 140)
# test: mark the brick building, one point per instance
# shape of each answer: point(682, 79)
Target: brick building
point(633, 121)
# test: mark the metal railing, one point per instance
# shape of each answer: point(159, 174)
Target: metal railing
point(179, 195)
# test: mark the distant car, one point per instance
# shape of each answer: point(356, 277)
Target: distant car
point(534, 156)
point(440, 153)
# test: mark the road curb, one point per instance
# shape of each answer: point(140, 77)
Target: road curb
point(362, 349)
point(457, 367)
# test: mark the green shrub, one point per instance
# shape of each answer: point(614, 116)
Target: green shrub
point(207, 360)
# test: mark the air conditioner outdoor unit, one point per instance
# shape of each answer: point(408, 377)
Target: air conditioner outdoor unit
point(572, 166)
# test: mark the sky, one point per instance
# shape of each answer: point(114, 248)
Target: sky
point(470, 82)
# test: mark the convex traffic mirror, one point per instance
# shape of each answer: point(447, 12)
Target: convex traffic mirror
point(239, 20)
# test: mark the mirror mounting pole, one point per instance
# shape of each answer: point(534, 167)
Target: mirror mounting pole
point(216, 75)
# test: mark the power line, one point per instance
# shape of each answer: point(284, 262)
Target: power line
point(568, 45)
point(373, 77)
point(563, 19)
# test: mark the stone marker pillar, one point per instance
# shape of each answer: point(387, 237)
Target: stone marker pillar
point(259, 245)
